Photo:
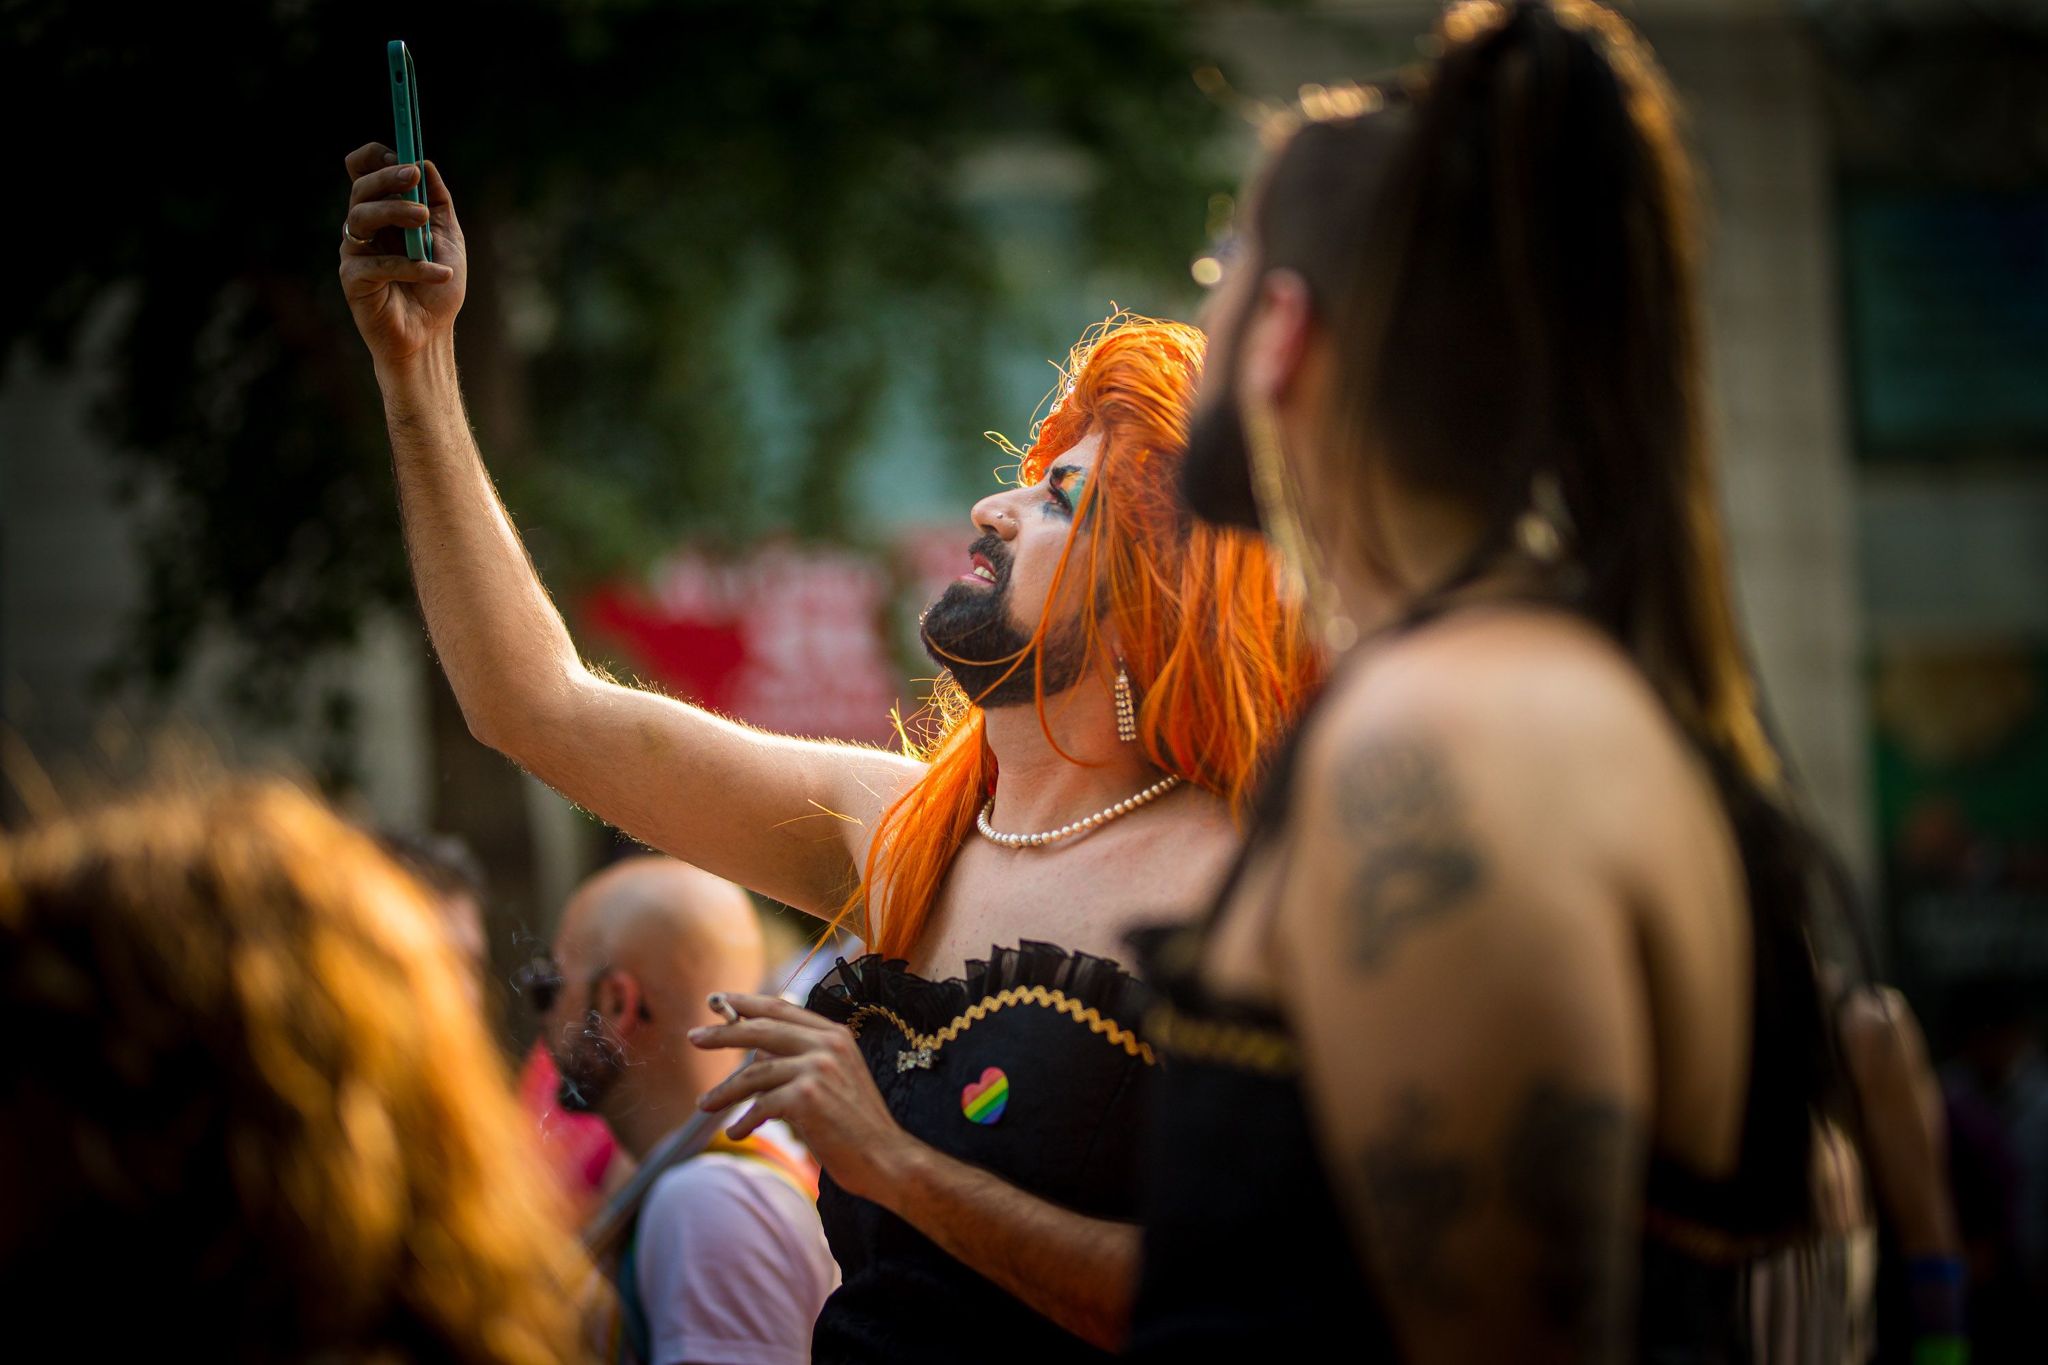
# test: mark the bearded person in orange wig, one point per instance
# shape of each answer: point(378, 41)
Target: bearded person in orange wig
point(1116, 675)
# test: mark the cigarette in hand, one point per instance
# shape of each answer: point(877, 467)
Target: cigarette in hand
point(723, 1006)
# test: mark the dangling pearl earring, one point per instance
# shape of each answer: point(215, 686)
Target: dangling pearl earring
point(1126, 708)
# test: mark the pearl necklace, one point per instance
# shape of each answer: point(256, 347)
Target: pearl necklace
point(1081, 826)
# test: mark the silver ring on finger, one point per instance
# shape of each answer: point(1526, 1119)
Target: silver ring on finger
point(359, 241)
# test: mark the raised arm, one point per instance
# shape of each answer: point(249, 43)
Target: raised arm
point(787, 817)
point(1476, 1047)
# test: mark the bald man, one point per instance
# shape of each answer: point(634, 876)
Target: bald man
point(728, 1264)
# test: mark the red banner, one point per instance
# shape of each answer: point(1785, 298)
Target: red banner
point(790, 638)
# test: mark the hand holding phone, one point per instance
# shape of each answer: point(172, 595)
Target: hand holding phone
point(405, 113)
point(402, 304)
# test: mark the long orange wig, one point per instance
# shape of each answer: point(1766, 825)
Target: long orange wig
point(1219, 661)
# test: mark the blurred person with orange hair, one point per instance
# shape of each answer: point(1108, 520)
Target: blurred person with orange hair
point(253, 1113)
point(1116, 677)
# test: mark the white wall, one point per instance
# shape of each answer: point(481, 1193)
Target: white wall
point(1779, 393)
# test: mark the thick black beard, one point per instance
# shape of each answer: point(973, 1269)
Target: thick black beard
point(1216, 473)
point(588, 1069)
point(968, 625)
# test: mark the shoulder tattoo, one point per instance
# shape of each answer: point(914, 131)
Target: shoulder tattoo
point(1416, 863)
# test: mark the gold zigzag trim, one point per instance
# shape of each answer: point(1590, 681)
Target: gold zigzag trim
point(1114, 1032)
point(1267, 1052)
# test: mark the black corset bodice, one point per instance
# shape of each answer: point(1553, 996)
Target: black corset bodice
point(1247, 1255)
point(1030, 1067)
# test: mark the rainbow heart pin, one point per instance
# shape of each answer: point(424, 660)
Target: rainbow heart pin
point(983, 1100)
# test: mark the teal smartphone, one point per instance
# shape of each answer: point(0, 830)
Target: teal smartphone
point(405, 112)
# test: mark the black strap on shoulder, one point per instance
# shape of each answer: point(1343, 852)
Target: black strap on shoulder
point(1275, 798)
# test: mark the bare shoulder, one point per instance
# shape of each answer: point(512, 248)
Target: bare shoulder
point(1516, 708)
point(1523, 678)
point(1503, 779)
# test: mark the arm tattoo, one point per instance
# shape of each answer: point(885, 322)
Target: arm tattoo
point(1563, 1177)
point(1571, 1163)
point(1418, 864)
point(1417, 1195)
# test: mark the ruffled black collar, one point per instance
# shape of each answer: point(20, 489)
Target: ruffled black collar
point(1096, 983)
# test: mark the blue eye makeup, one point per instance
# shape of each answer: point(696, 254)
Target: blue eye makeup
point(1064, 484)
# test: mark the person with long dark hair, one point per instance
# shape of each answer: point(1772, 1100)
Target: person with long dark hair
point(1504, 1040)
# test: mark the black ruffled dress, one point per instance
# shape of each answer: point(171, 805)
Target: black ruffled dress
point(1030, 1067)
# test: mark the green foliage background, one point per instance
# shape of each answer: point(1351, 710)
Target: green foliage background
point(664, 201)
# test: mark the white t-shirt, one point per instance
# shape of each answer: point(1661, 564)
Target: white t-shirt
point(731, 1262)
